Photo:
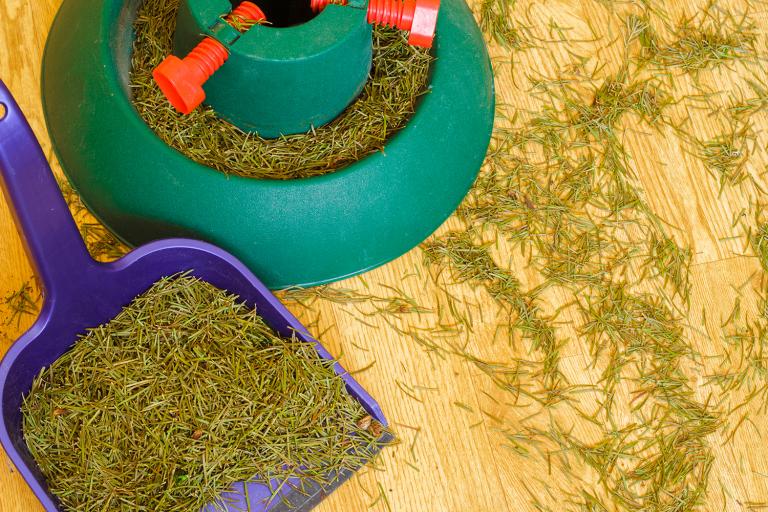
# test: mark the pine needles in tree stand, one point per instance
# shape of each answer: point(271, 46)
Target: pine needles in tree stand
point(398, 78)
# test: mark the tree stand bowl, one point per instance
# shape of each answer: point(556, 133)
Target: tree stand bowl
point(300, 232)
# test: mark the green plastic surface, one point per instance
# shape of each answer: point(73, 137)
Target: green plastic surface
point(281, 81)
point(298, 232)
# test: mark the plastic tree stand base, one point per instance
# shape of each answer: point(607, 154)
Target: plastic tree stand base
point(81, 293)
point(290, 233)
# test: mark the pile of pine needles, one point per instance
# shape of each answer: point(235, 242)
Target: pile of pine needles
point(398, 78)
point(560, 196)
point(184, 393)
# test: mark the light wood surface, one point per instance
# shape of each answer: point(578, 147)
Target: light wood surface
point(456, 463)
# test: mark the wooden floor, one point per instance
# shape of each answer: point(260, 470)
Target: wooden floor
point(451, 459)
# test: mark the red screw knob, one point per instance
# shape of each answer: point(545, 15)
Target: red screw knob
point(181, 80)
point(319, 5)
point(417, 16)
point(245, 16)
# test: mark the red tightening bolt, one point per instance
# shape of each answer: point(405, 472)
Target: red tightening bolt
point(319, 5)
point(181, 80)
point(417, 16)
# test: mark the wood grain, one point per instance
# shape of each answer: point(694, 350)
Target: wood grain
point(457, 460)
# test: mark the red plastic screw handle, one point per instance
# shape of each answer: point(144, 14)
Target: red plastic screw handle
point(417, 16)
point(245, 16)
point(181, 80)
point(319, 5)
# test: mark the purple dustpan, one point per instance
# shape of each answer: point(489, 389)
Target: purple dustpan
point(80, 293)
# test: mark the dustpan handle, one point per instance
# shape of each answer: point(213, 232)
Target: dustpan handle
point(43, 218)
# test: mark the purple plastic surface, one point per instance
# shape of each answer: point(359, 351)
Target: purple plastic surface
point(80, 293)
